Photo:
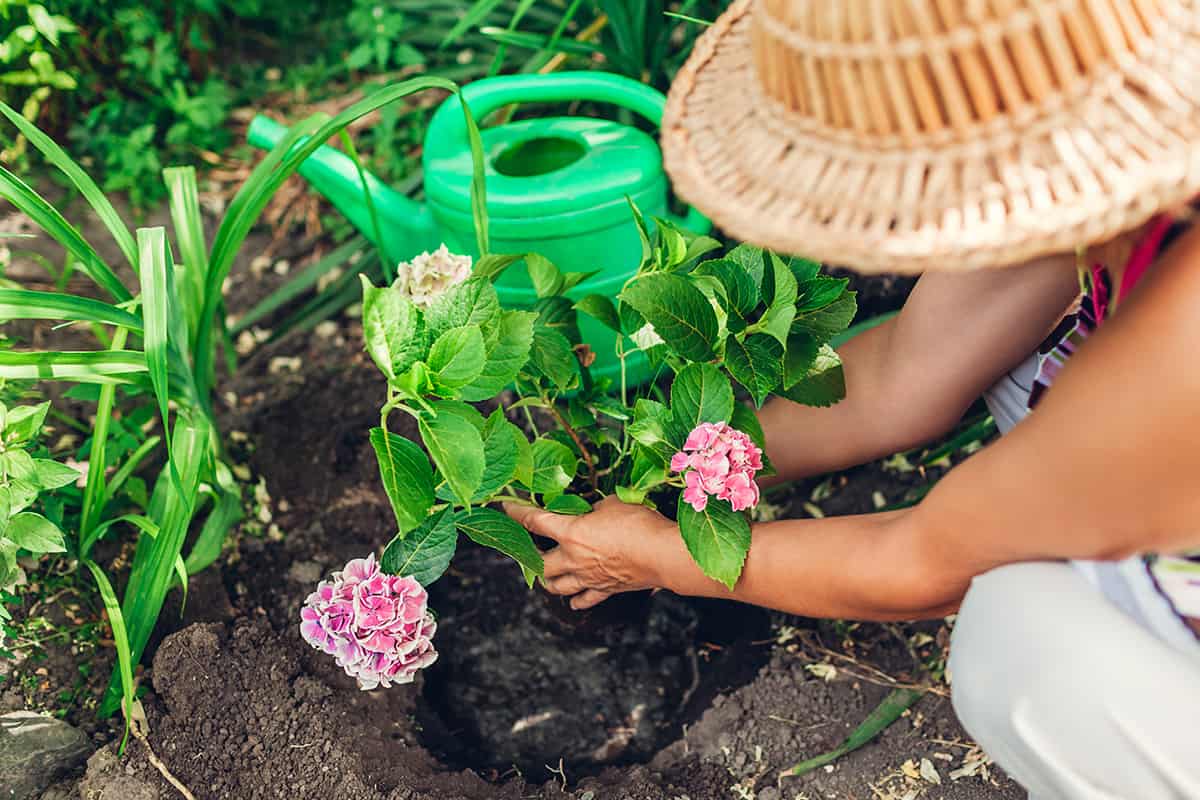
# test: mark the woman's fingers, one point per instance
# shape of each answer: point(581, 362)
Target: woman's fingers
point(555, 563)
point(564, 584)
point(535, 520)
point(588, 599)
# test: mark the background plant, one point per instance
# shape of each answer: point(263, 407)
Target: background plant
point(750, 318)
point(161, 335)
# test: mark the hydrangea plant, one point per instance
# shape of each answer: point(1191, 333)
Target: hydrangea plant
point(747, 325)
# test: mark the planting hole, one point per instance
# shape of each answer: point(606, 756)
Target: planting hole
point(523, 681)
point(538, 156)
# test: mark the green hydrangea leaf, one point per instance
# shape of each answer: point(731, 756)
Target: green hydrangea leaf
point(506, 354)
point(407, 477)
point(393, 330)
point(457, 357)
point(456, 446)
point(756, 363)
point(680, 313)
point(426, 551)
point(700, 393)
point(554, 467)
point(717, 537)
point(824, 384)
point(571, 504)
point(602, 309)
point(498, 531)
point(472, 302)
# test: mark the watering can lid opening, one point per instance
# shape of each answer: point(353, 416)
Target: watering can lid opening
point(546, 166)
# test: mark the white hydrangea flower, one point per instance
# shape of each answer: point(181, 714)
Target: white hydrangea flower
point(430, 274)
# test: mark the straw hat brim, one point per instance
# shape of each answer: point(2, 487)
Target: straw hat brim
point(1079, 169)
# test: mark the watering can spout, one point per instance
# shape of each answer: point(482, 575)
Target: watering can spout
point(407, 228)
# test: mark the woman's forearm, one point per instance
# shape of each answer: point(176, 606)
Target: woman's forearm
point(869, 566)
point(910, 379)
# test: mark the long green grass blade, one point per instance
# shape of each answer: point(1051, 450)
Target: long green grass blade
point(184, 200)
point(301, 282)
point(535, 41)
point(132, 462)
point(116, 619)
point(139, 521)
point(476, 14)
point(28, 304)
point(95, 491)
point(264, 181)
point(207, 548)
point(896, 703)
point(171, 508)
point(351, 151)
point(103, 366)
point(81, 180)
point(154, 270)
point(46, 217)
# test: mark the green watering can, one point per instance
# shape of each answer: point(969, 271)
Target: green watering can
point(555, 186)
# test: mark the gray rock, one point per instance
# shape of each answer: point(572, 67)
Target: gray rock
point(35, 751)
point(108, 778)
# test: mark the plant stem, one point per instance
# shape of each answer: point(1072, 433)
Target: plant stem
point(587, 456)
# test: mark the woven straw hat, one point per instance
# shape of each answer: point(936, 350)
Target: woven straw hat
point(905, 135)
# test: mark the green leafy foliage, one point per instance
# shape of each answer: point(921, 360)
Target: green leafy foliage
point(747, 322)
point(425, 551)
point(717, 537)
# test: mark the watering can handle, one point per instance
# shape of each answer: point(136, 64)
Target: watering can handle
point(447, 128)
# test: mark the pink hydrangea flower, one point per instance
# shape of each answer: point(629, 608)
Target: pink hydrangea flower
point(430, 274)
point(718, 461)
point(377, 626)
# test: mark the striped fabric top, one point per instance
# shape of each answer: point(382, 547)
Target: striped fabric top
point(1160, 590)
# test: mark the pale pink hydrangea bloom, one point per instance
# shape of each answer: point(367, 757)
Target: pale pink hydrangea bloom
point(720, 461)
point(377, 626)
point(430, 274)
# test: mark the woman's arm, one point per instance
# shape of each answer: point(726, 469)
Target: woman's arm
point(912, 378)
point(1109, 465)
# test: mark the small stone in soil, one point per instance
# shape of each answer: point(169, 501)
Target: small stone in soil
point(36, 750)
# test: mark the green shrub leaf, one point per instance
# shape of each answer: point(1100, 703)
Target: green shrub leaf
point(824, 384)
point(546, 278)
point(499, 531)
point(554, 467)
point(756, 363)
point(825, 323)
point(679, 312)
point(472, 302)
point(407, 477)
point(425, 551)
point(700, 393)
point(507, 353)
point(602, 309)
point(717, 537)
point(35, 533)
point(571, 504)
point(25, 422)
point(52, 475)
point(457, 448)
point(394, 333)
point(457, 357)
point(553, 357)
point(740, 287)
point(820, 291)
point(501, 454)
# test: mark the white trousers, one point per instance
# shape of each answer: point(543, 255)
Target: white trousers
point(1069, 695)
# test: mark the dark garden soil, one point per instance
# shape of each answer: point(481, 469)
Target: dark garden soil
point(653, 697)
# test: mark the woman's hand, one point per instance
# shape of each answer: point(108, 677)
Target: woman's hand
point(618, 547)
